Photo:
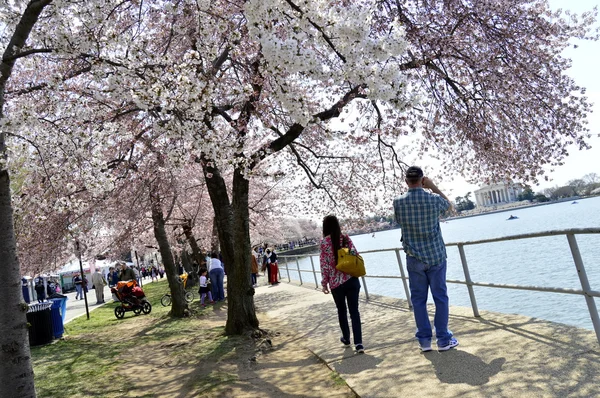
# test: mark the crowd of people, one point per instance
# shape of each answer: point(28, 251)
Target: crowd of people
point(44, 292)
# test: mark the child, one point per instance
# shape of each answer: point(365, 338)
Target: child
point(204, 290)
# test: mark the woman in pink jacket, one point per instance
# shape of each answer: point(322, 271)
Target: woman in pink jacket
point(344, 288)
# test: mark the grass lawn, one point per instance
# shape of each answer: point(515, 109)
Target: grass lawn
point(92, 358)
point(157, 356)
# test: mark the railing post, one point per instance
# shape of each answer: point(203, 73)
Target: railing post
point(463, 260)
point(312, 264)
point(364, 283)
point(585, 284)
point(287, 269)
point(298, 267)
point(403, 275)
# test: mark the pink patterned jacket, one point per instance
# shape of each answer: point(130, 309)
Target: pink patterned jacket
point(331, 276)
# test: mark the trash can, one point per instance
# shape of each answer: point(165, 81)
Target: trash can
point(39, 319)
point(63, 304)
point(57, 320)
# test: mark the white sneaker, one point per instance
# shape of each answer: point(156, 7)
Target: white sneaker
point(451, 344)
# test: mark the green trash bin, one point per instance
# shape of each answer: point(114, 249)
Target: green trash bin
point(39, 319)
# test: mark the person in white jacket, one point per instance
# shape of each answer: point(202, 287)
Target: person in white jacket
point(99, 282)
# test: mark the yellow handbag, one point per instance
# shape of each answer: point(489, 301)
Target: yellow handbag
point(351, 264)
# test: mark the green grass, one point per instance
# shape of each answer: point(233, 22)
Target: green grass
point(86, 362)
point(337, 379)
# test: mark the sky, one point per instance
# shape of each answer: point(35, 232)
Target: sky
point(585, 64)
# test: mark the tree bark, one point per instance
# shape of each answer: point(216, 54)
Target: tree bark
point(189, 235)
point(241, 312)
point(233, 227)
point(196, 253)
point(214, 243)
point(179, 306)
point(16, 371)
point(192, 271)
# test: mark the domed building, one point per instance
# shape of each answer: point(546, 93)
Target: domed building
point(500, 193)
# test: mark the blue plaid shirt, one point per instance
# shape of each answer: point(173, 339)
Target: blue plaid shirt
point(418, 213)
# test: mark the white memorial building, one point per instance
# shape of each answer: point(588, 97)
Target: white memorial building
point(491, 195)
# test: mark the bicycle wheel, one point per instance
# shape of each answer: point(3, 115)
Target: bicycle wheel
point(166, 300)
point(189, 297)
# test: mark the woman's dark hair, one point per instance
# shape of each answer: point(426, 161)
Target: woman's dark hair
point(331, 227)
point(214, 255)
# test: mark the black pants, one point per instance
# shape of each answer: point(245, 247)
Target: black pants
point(348, 292)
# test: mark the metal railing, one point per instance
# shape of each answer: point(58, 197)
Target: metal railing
point(585, 291)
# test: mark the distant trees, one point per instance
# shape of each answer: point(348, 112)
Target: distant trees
point(464, 203)
point(527, 194)
point(576, 187)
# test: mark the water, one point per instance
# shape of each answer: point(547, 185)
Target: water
point(543, 262)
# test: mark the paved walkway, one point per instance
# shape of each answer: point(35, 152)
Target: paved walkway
point(499, 355)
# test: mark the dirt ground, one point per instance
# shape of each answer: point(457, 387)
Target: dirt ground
point(204, 363)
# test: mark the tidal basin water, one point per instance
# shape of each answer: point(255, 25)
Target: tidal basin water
point(545, 262)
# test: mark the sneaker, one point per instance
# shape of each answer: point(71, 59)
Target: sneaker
point(451, 344)
point(344, 341)
point(360, 349)
point(425, 347)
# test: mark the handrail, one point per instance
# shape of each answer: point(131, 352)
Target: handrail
point(585, 290)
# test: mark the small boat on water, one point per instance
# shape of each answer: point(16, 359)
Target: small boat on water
point(512, 217)
point(574, 202)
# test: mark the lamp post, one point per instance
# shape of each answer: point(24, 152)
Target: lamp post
point(78, 249)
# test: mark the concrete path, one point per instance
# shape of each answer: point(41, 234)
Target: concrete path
point(499, 355)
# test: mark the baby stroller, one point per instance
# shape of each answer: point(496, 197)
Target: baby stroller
point(132, 298)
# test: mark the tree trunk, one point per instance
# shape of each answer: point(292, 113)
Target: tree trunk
point(214, 242)
point(179, 306)
point(192, 271)
point(241, 312)
point(233, 226)
point(196, 253)
point(16, 371)
point(217, 191)
point(189, 235)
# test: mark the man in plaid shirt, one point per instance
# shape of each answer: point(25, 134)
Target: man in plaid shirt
point(418, 212)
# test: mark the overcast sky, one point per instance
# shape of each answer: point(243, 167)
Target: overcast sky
point(585, 70)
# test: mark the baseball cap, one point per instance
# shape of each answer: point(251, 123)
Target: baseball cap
point(414, 172)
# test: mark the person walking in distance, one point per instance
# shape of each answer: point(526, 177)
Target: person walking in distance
point(77, 282)
point(418, 212)
point(253, 268)
point(344, 287)
point(99, 282)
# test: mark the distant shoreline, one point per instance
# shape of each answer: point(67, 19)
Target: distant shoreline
point(511, 208)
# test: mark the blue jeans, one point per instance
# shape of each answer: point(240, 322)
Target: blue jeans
point(79, 292)
point(216, 279)
point(423, 277)
point(348, 292)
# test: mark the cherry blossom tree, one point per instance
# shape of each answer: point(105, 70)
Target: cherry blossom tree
point(332, 95)
point(16, 373)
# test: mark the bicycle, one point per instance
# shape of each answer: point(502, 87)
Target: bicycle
point(189, 296)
